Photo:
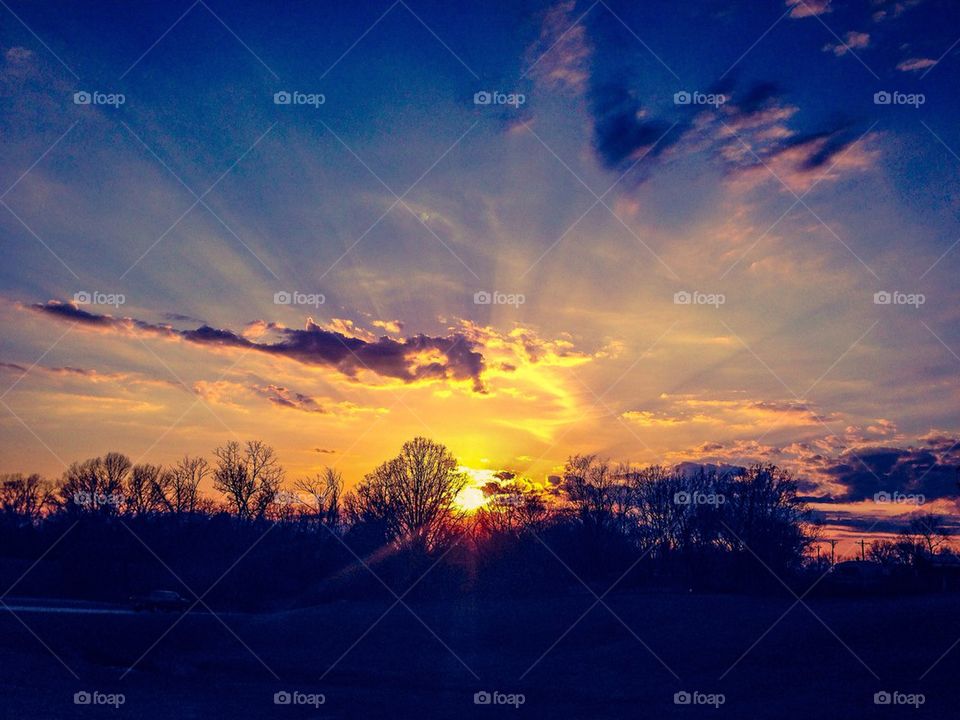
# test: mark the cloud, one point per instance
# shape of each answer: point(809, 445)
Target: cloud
point(559, 58)
point(808, 8)
point(915, 64)
point(852, 41)
point(931, 471)
point(394, 327)
point(416, 358)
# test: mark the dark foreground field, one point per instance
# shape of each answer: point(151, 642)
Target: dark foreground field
point(201, 669)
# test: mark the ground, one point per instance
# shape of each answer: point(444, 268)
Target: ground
point(816, 662)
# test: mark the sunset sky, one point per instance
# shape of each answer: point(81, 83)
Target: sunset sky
point(587, 189)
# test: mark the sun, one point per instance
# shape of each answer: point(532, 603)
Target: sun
point(470, 498)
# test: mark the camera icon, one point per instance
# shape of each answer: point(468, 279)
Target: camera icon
point(482, 297)
point(682, 698)
point(882, 97)
point(82, 298)
point(82, 97)
point(682, 498)
point(282, 298)
point(882, 298)
point(282, 98)
point(882, 698)
point(682, 298)
point(482, 698)
point(282, 698)
point(82, 698)
point(882, 497)
point(482, 98)
point(682, 98)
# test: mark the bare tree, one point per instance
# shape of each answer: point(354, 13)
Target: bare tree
point(323, 492)
point(412, 496)
point(26, 497)
point(97, 484)
point(178, 489)
point(927, 532)
point(143, 489)
point(249, 476)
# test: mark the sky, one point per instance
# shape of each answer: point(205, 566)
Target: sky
point(712, 232)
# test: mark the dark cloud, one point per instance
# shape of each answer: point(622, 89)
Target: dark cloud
point(931, 472)
point(420, 357)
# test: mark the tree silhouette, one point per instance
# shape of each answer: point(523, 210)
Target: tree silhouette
point(249, 476)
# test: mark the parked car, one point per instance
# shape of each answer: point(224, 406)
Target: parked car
point(160, 600)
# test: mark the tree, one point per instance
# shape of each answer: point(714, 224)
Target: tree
point(178, 490)
point(323, 492)
point(143, 490)
point(249, 476)
point(412, 496)
point(96, 485)
point(25, 497)
point(927, 532)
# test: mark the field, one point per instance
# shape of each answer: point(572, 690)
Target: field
point(819, 661)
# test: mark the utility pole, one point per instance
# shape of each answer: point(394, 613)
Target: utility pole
point(833, 551)
point(863, 555)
